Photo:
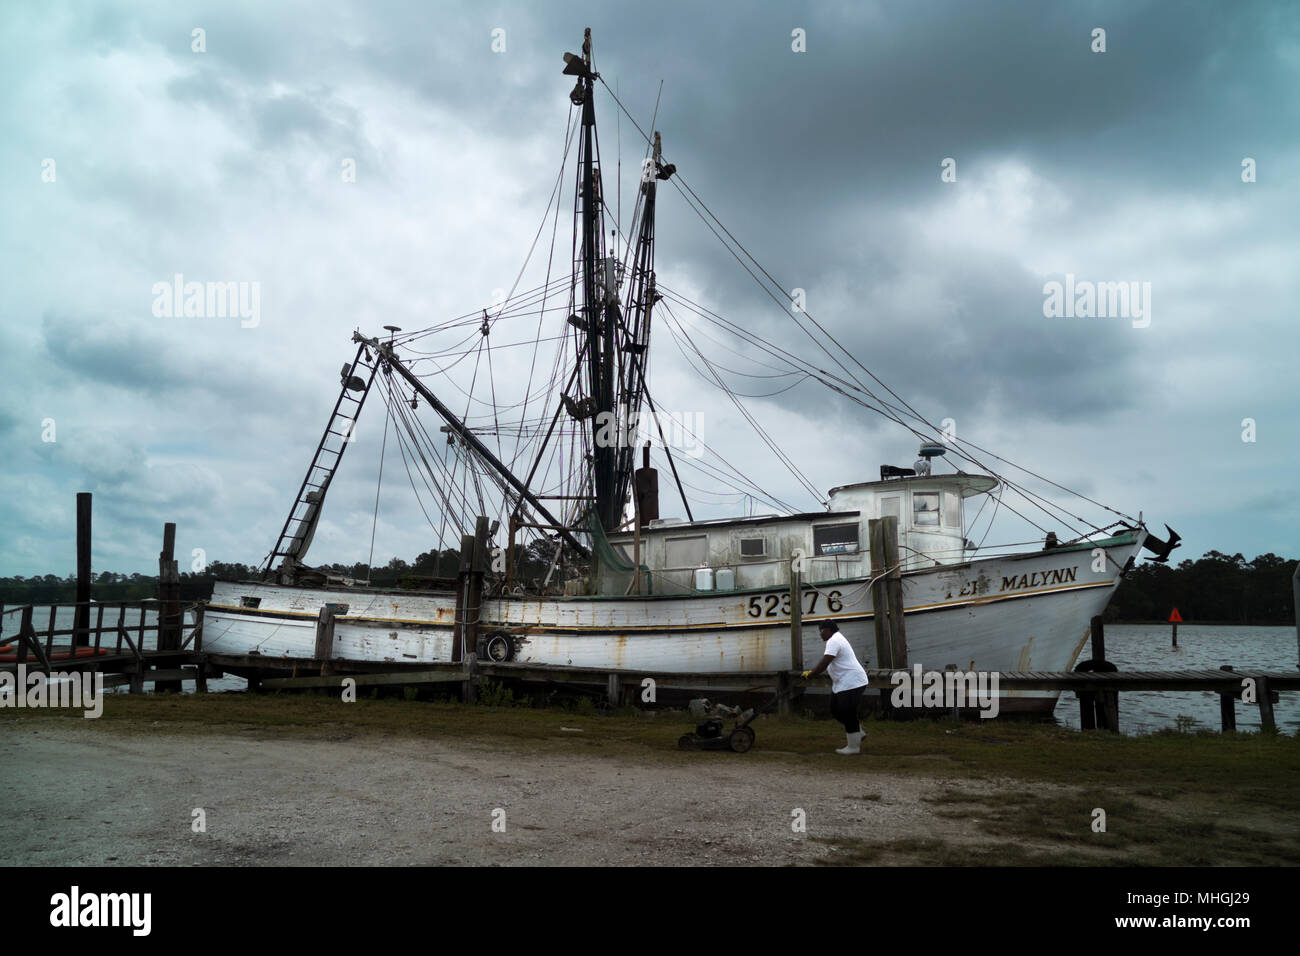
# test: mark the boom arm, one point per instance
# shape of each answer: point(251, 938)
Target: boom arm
point(385, 351)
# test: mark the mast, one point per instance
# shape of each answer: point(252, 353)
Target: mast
point(641, 299)
point(600, 316)
point(614, 388)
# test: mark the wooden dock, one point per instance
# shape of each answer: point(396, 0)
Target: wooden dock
point(117, 639)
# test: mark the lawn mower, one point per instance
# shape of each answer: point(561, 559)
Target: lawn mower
point(709, 734)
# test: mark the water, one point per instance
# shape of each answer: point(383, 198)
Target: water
point(1146, 647)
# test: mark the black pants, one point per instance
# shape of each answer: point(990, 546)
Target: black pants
point(844, 708)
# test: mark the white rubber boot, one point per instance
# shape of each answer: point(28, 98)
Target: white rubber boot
point(854, 744)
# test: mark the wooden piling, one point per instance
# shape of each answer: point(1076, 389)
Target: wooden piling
point(81, 621)
point(324, 652)
point(1295, 608)
point(477, 571)
point(458, 645)
point(169, 602)
point(1108, 710)
point(894, 593)
point(26, 632)
point(612, 691)
point(783, 688)
point(879, 602)
point(1098, 638)
point(1087, 710)
point(201, 671)
point(1107, 701)
point(1228, 707)
point(1099, 709)
point(796, 621)
point(1264, 697)
point(469, 688)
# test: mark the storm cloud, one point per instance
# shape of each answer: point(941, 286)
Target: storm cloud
point(131, 158)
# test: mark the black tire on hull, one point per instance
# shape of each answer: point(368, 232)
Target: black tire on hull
point(496, 647)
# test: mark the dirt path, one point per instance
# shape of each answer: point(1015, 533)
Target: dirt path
point(110, 797)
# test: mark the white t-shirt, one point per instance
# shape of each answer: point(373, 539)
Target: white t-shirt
point(846, 673)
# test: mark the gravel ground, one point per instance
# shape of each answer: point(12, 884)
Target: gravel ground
point(127, 798)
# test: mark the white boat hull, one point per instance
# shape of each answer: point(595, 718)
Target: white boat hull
point(1027, 612)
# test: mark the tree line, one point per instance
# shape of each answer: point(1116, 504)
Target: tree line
point(427, 570)
point(1216, 588)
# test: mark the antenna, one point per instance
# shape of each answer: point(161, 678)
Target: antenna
point(618, 138)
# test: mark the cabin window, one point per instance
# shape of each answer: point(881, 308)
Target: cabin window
point(686, 552)
point(952, 510)
point(249, 602)
point(835, 538)
point(753, 547)
point(925, 509)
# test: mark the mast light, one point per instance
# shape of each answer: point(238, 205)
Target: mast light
point(574, 66)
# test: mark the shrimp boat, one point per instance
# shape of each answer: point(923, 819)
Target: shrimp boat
point(551, 547)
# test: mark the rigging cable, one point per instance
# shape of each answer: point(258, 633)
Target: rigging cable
point(374, 524)
point(692, 199)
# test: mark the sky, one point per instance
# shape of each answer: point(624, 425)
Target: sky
point(921, 171)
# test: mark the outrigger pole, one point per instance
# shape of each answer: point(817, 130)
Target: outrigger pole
point(386, 354)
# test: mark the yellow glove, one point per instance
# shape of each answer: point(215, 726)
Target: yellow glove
point(805, 674)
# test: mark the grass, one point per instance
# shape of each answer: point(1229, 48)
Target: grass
point(1261, 768)
point(1035, 828)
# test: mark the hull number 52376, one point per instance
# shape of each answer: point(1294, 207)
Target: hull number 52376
point(778, 605)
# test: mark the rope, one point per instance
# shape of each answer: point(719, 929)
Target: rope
point(379, 484)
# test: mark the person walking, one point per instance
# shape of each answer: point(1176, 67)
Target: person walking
point(848, 684)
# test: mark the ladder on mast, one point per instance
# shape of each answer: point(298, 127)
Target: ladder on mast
point(299, 527)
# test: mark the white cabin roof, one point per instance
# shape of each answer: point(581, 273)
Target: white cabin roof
point(965, 485)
